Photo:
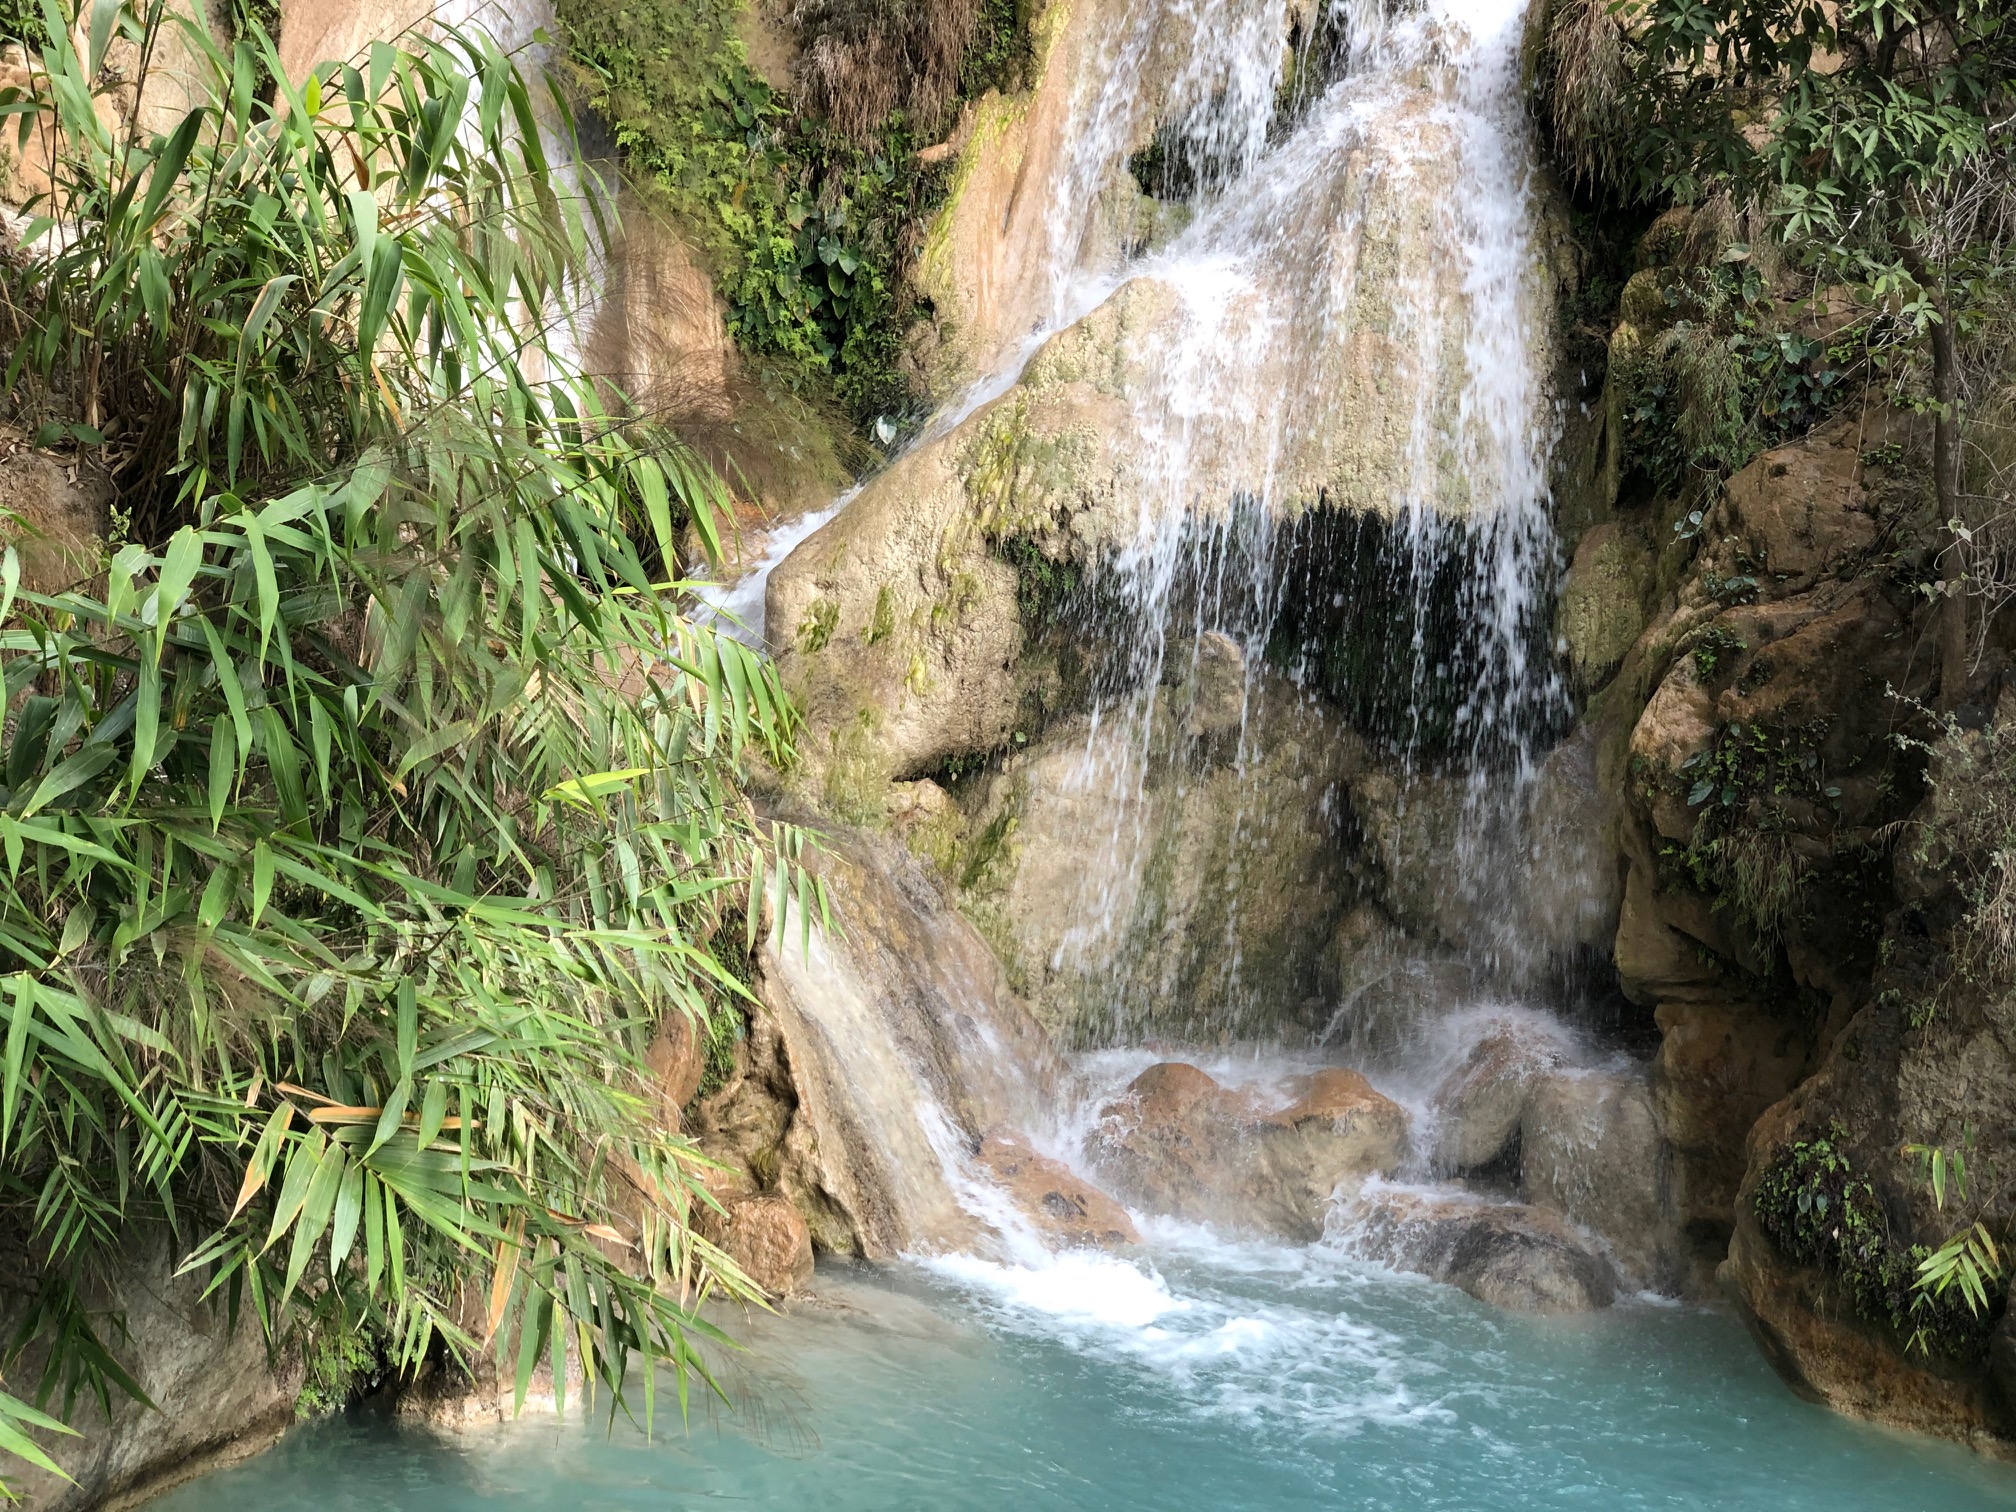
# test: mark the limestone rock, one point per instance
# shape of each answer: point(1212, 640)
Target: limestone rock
point(1591, 1149)
point(1167, 891)
point(1720, 1065)
point(1510, 1256)
point(676, 1060)
point(1806, 509)
point(1810, 1334)
point(902, 1006)
point(1480, 1104)
point(765, 1235)
point(220, 1398)
point(1069, 1211)
point(1178, 1142)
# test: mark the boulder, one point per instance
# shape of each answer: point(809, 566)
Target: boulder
point(1479, 1106)
point(677, 1060)
point(1069, 1212)
point(1178, 1142)
point(765, 1235)
point(1510, 1256)
point(1810, 509)
point(1591, 1149)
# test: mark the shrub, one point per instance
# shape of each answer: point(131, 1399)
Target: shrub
point(362, 815)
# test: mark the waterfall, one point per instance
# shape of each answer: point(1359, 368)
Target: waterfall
point(1317, 523)
point(1367, 267)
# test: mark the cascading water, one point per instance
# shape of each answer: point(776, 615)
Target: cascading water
point(1346, 351)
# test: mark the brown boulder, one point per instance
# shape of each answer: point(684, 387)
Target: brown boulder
point(1068, 1210)
point(1805, 509)
point(765, 1235)
point(1178, 1142)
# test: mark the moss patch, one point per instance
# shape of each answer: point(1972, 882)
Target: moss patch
point(809, 231)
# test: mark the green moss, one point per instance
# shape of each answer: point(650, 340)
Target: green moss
point(340, 1360)
point(816, 629)
point(807, 231)
point(882, 623)
point(1819, 1210)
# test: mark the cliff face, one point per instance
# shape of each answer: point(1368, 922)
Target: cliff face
point(1813, 853)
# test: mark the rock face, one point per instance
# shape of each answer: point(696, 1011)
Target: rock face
point(887, 1051)
point(1177, 1142)
point(765, 1235)
point(1167, 890)
point(1508, 1255)
point(218, 1397)
point(1749, 730)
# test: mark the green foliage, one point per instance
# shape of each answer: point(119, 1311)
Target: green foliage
point(1819, 1210)
point(363, 815)
point(808, 229)
point(1741, 849)
point(1858, 158)
point(1722, 379)
point(1712, 648)
point(340, 1358)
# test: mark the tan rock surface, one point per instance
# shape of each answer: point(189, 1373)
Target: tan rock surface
point(1178, 1142)
point(1068, 1210)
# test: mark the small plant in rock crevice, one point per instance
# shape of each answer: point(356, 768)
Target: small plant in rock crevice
point(1820, 1210)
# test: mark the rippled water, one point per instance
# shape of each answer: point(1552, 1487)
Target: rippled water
point(1220, 1377)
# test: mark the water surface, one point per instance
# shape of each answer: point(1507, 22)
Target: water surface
point(1218, 1377)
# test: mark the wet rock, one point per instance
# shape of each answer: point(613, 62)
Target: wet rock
point(766, 1236)
point(1480, 1104)
point(1217, 675)
point(1069, 1211)
point(1180, 1143)
point(1211, 889)
point(1591, 1149)
point(863, 1034)
point(1510, 1256)
point(220, 1396)
point(1603, 602)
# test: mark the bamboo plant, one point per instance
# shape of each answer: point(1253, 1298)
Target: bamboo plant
point(367, 808)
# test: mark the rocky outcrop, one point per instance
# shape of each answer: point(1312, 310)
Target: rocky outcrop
point(1064, 1208)
point(1750, 731)
point(1178, 1142)
point(1144, 881)
point(1508, 1255)
point(887, 1049)
point(214, 1393)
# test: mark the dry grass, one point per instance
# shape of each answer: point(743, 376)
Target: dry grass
point(1589, 107)
point(861, 60)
